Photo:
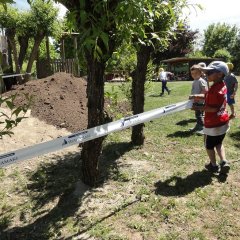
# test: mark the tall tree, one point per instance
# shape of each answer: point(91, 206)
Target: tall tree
point(103, 25)
point(35, 24)
point(219, 36)
point(179, 45)
point(96, 22)
point(9, 21)
point(158, 21)
point(43, 17)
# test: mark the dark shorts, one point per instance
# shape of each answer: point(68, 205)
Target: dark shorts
point(230, 101)
point(213, 141)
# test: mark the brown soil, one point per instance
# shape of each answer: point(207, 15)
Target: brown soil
point(59, 100)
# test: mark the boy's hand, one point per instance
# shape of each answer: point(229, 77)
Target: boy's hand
point(197, 106)
point(197, 97)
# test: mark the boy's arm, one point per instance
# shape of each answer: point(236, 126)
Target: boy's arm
point(235, 90)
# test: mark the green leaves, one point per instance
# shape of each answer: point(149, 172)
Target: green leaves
point(5, 2)
point(17, 113)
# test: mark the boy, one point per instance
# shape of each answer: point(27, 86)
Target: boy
point(216, 119)
point(232, 86)
point(163, 76)
point(199, 86)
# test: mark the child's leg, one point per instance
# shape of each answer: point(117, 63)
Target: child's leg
point(232, 110)
point(221, 152)
point(209, 145)
point(212, 156)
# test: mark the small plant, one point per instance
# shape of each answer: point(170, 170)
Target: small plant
point(16, 115)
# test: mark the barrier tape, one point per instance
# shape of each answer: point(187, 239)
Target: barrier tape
point(15, 75)
point(89, 134)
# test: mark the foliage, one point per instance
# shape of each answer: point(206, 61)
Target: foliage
point(197, 54)
point(224, 54)
point(39, 21)
point(43, 18)
point(124, 58)
point(16, 115)
point(219, 36)
point(5, 2)
point(9, 19)
point(180, 44)
point(43, 51)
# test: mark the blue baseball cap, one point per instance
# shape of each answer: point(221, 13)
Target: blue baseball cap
point(217, 65)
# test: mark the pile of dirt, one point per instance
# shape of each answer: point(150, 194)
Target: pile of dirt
point(59, 100)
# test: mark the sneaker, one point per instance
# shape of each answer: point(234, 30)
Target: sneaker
point(224, 167)
point(169, 91)
point(200, 133)
point(196, 128)
point(232, 116)
point(161, 94)
point(212, 168)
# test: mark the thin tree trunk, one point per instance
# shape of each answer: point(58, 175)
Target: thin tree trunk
point(139, 78)
point(11, 38)
point(33, 55)
point(95, 92)
point(23, 41)
point(10, 60)
point(48, 50)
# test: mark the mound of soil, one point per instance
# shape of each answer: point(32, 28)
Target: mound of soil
point(59, 100)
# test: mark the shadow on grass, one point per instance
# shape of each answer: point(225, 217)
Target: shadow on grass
point(177, 186)
point(111, 153)
point(185, 122)
point(56, 182)
point(51, 182)
point(122, 207)
point(236, 137)
point(154, 95)
point(181, 134)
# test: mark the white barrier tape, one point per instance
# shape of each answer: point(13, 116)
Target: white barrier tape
point(89, 134)
point(15, 75)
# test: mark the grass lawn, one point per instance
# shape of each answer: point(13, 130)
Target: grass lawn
point(157, 192)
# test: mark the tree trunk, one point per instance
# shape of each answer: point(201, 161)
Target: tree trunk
point(33, 55)
point(11, 37)
point(10, 60)
point(48, 50)
point(23, 41)
point(95, 92)
point(139, 78)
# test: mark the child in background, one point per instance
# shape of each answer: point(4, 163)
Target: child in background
point(232, 86)
point(216, 119)
point(199, 86)
point(164, 77)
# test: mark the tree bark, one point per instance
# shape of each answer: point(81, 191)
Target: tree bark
point(33, 55)
point(139, 79)
point(11, 37)
point(95, 92)
point(23, 41)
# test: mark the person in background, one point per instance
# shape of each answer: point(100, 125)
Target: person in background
point(199, 86)
point(216, 119)
point(164, 77)
point(203, 65)
point(232, 86)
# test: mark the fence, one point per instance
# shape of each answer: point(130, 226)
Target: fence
point(45, 68)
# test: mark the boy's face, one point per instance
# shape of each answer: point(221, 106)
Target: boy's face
point(196, 73)
point(214, 76)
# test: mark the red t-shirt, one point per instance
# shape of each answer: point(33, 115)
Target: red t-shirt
point(216, 97)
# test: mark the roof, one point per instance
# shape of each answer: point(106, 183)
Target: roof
point(187, 60)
